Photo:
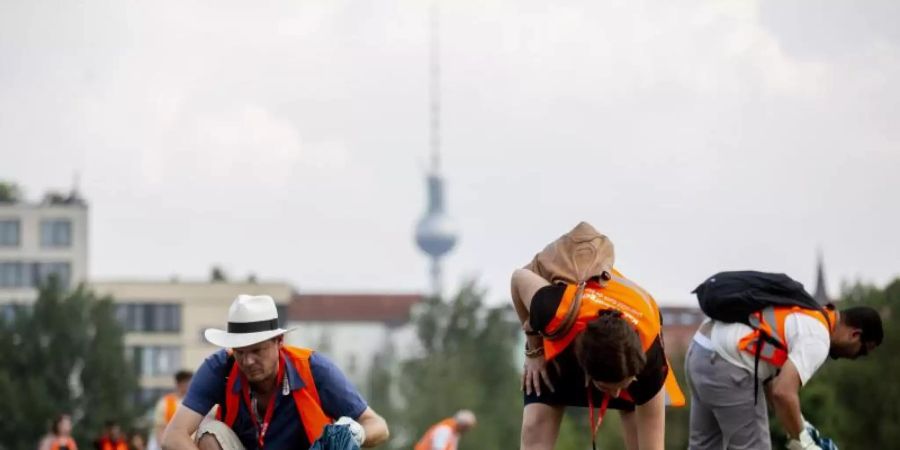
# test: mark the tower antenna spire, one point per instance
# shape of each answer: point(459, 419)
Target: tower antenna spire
point(435, 233)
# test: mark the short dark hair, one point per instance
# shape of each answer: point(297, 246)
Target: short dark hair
point(610, 349)
point(183, 375)
point(867, 320)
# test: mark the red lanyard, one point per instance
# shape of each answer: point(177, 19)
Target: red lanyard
point(245, 390)
point(594, 427)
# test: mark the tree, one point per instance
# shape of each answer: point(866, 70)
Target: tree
point(467, 361)
point(9, 192)
point(64, 354)
point(217, 275)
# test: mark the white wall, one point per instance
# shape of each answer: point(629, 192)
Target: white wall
point(353, 345)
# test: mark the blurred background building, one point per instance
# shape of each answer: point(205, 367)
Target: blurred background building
point(40, 239)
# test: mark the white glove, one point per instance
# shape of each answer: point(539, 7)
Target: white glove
point(803, 442)
point(356, 430)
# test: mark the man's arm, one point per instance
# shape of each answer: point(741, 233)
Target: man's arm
point(375, 426)
point(179, 431)
point(784, 394)
point(651, 422)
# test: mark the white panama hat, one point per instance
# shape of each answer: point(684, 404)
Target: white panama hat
point(251, 319)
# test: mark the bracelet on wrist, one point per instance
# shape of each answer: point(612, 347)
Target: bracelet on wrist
point(534, 352)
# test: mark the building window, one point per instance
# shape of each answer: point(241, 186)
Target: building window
point(10, 230)
point(12, 275)
point(56, 233)
point(149, 317)
point(42, 272)
point(152, 361)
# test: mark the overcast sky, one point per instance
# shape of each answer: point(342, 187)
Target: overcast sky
point(290, 138)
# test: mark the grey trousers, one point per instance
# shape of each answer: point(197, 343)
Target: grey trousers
point(723, 413)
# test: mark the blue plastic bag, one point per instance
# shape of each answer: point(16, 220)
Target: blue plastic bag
point(823, 442)
point(335, 437)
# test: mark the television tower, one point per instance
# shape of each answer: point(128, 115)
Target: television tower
point(436, 233)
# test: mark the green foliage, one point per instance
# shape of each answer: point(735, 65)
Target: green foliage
point(467, 361)
point(63, 355)
point(9, 192)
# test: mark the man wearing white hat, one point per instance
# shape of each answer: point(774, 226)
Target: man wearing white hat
point(269, 395)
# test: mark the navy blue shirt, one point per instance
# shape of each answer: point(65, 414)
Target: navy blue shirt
point(338, 396)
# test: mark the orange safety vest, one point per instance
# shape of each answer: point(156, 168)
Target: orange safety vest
point(306, 398)
point(768, 328)
point(108, 444)
point(621, 294)
point(171, 402)
point(63, 442)
point(425, 442)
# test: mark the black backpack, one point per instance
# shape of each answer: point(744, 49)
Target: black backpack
point(734, 296)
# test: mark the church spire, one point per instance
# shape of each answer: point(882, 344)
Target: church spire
point(821, 295)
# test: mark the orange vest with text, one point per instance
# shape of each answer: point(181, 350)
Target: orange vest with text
point(306, 398)
point(63, 443)
point(425, 442)
point(770, 321)
point(637, 307)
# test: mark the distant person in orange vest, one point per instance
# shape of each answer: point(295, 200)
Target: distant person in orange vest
point(166, 406)
point(60, 437)
point(269, 395)
point(593, 339)
point(112, 437)
point(445, 434)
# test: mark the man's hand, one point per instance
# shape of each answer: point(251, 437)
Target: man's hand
point(535, 371)
point(803, 442)
point(356, 430)
point(374, 427)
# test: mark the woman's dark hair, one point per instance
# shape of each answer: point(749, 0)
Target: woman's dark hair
point(54, 425)
point(610, 349)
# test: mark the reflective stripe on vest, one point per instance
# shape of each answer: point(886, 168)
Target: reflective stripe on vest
point(171, 402)
point(306, 398)
point(425, 442)
point(770, 323)
point(637, 307)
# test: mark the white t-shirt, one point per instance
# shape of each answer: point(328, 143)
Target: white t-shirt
point(808, 342)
